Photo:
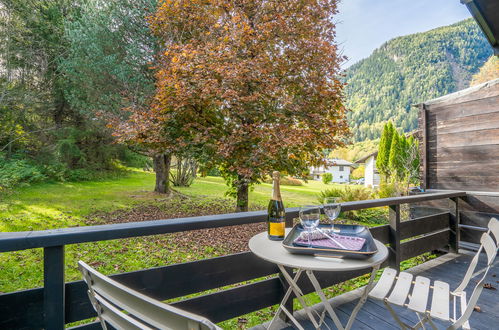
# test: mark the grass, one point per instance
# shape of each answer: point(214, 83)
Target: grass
point(260, 194)
point(58, 205)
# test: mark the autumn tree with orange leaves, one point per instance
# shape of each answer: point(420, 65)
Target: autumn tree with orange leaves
point(254, 82)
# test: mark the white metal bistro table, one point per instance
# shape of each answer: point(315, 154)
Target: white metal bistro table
point(274, 252)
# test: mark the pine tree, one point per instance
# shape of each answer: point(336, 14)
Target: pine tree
point(384, 149)
point(394, 160)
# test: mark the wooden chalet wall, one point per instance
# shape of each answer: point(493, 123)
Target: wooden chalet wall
point(459, 144)
point(460, 139)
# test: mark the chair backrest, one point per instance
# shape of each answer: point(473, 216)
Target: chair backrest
point(486, 243)
point(490, 246)
point(124, 308)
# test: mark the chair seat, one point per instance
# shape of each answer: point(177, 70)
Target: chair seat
point(384, 285)
point(395, 289)
point(419, 297)
point(401, 289)
point(440, 301)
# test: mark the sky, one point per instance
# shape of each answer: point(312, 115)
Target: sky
point(364, 25)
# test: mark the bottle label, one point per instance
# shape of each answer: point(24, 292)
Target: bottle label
point(277, 228)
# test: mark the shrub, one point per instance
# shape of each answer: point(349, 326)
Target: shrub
point(285, 181)
point(347, 193)
point(133, 159)
point(358, 172)
point(289, 181)
point(350, 194)
point(392, 189)
point(327, 178)
point(15, 172)
point(213, 172)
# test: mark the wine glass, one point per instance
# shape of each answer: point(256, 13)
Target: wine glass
point(310, 217)
point(332, 209)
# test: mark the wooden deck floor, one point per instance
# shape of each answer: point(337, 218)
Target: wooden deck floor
point(374, 315)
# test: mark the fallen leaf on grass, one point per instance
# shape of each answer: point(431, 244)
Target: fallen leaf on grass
point(242, 320)
point(489, 286)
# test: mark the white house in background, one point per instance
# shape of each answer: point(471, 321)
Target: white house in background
point(339, 168)
point(371, 174)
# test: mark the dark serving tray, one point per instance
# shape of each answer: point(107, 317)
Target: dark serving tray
point(368, 249)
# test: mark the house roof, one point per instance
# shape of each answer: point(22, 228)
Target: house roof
point(486, 14)
point(339, 162)
point(464, 94)
point(363, 159)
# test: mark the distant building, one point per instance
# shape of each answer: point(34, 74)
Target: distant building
point(339, 168)
point(371, 174)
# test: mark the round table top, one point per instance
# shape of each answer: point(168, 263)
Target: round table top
point(274, 252)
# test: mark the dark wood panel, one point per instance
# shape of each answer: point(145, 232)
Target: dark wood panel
point(464, 169)
point(462, 143)
point(160, 283)
point(223, 305)
point(381, 233)
point(182, 279)
point(479, 104)
point(481, 121)
point(471, 183)
point(22, 310)
point(248, 298)
point(424, 225)
point(464, 154)
point(424, 244)
point(480, 203)
point(423, 124)
point(475, 138)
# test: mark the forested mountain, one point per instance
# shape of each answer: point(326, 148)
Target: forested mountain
point(411, 69)
point(489, 71)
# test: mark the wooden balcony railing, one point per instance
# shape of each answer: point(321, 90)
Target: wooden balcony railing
point(59, 303)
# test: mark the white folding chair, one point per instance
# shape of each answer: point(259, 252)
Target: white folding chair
point(124, 308)
point(393, 288)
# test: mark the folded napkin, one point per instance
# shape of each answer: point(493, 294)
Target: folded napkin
point(319, 240)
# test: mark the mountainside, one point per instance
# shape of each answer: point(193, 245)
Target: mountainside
point(489, 71)
point(409, 70)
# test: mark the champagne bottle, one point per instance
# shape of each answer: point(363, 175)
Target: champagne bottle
point(276, 218)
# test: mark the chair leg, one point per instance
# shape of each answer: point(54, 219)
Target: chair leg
point(402, 325)
point(431, 323)
point(422, 321)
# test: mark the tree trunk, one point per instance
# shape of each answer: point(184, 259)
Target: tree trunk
point(162, 169)
point(242, 195)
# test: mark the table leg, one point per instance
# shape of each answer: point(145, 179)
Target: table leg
point(363, 298)
point(324, 300)
point(293, 285)
point(285, 299)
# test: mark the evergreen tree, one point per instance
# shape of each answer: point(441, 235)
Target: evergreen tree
point(384, 149)
point(413, 160)
point(395, 160)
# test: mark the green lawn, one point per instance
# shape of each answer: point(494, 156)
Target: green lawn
point(58, 205)
point(260, 195)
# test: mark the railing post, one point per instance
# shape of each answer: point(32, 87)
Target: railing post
point(289, 220)
point(53, 292)
point(454, 221)
point(394, 238)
